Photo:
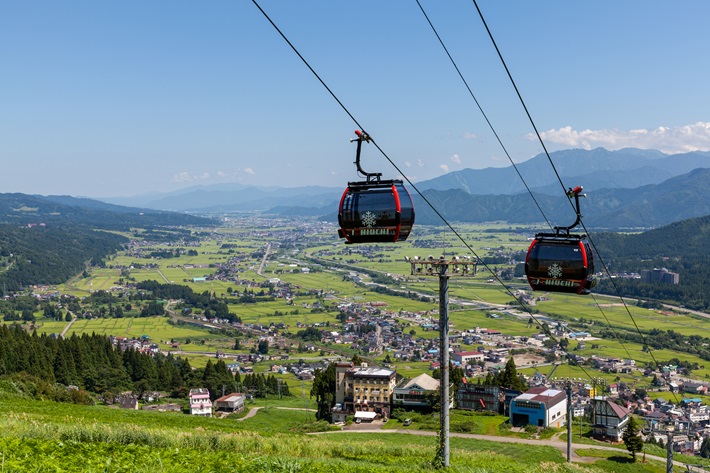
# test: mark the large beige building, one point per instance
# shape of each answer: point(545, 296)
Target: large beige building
point(363, 391)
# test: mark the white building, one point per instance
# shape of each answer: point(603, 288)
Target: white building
point(413, 392)
point(200, 404)
point(464, 357)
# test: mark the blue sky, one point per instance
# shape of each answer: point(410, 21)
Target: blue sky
point(124, 98)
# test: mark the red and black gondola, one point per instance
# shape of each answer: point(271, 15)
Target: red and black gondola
point(560, 264)
point(378, 212)
point(560, 261)
point(374, 210)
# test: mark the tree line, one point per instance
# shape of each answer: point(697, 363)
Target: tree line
point(92, 363)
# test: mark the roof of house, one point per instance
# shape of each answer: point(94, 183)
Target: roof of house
point(372, 373)
point(197, 391)
point(469, 353)
point(620, 411)
point(424, 381)
point(231, 397)
point(544, 395)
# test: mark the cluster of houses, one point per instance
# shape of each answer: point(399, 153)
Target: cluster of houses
point(142, 344)
point(200, 404)
point(369, 393)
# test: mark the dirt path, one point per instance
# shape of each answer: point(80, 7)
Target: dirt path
point(252, 412)
point(557, 443)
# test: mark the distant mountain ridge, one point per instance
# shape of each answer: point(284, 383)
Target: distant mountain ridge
point(595, 169)
point(234, 197)
point(26, 209)
point(625, 188)
point(682, 197)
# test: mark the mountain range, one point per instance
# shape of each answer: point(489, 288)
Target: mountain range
point(628, 188)
point(24, 209)
point(594, 169)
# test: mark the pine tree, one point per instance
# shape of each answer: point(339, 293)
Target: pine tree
point(705, 448)
point(324, 391)
point(632, 438)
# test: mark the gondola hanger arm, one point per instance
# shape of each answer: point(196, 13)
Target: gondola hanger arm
point(362, 136)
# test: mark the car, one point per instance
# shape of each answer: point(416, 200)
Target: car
point(358, 420)
point(407, 422)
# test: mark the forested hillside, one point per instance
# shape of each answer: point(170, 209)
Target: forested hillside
point(681, 247)
point(24, 209)
point(50, 255)
point(678, 198)
point(48, 240)
point(94, 364)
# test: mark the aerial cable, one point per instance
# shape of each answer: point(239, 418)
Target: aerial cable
point(446, 222)
point(559, 179)
point(372, 141)
point(480, 108)
point(520, 97)
point(308, 65)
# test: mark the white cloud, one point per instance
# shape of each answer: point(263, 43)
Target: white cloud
point(420, 163)
point(408, 164)
point(249, 171)
point(681, 139)
point(187, 177)
point(456, 159)
point(444, 167)
point(469, 136)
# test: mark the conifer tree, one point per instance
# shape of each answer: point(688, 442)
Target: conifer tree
point(632, 438)
point(324, 391)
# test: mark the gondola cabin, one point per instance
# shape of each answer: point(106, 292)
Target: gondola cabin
point(560, 263)
point(375, 212)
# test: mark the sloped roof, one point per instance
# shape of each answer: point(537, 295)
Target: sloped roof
point(620, 411)
point(547, 396)
point(424, 381)
point(230, 397)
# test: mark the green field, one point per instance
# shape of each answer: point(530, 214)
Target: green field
point(326, 259)
point(46, 436)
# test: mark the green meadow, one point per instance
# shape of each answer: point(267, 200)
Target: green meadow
point(47, 436)
point(331, 264)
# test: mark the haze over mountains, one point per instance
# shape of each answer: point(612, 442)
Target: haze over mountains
point(625, 188)
point(628, 188)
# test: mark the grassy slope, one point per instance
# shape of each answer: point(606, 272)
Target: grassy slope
point(45, 436)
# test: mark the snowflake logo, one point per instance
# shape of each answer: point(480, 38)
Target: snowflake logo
point(368, 219)
point(554, 271)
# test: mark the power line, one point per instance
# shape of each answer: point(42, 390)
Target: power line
point(559, 179)
point(480, 108)
point(443, 219)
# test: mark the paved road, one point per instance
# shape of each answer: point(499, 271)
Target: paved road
point(66, 329)
point(554, 442)
point(263, 260)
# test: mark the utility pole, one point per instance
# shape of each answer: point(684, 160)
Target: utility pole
point(440, 267)
point(568, 389)
point(669, 449)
